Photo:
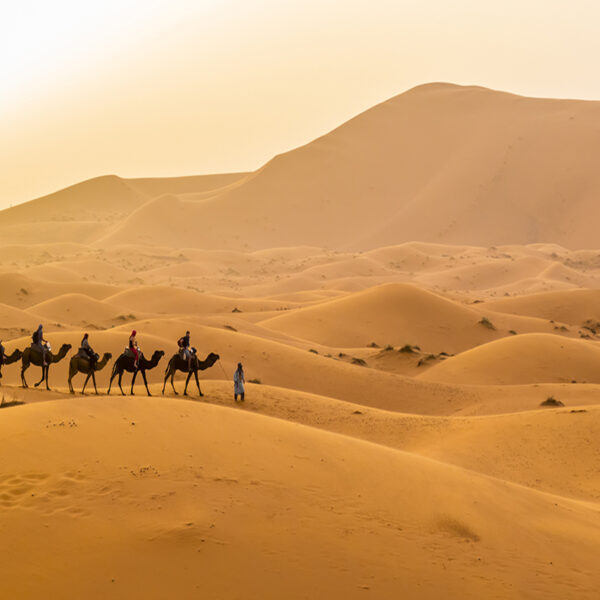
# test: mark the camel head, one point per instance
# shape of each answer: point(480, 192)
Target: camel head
point(212, 358)
point(158, 354)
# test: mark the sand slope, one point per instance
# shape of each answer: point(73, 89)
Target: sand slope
point(198, 491)
point(528, 358)
point(509, 163)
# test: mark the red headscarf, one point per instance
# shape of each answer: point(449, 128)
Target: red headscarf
point(133, 333)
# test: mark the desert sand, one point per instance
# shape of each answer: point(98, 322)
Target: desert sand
point(404, 293)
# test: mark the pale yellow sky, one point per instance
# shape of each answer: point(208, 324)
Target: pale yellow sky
point(156, 88)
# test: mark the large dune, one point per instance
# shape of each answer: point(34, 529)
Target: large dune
point(398, 314)
point(528, 358)
point(517, 170)
point(184, 495)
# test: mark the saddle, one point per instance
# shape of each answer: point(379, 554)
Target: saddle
point(183, 352)
point(81, 353)
point(36, 346)
point(129, 354)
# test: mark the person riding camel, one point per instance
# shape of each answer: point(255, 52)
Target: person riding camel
point(86, 350)
point(133, 346)
point(40, 343)
point(184, 348)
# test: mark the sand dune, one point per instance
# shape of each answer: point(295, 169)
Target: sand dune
point(574, 307)
point(333, 531)
point(161, 299)
point(530, 358)
point(398, 314)
point(21, 291)
point(373, 181)
point(158, 186)
point(75, 309)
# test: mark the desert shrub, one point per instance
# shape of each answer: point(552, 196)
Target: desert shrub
point(486, 323)
point(229, 327)
point(359, 361)
point(426, 359)
point(257, 381)
point(373, 345)
point(512, 332)
point(313, 351)
point(408, 348)
point(388, 348)
point(551, 401)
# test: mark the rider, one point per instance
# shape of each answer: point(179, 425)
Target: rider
point(86, 350)
point(40, 343)
point(184, 344)
point(133, 346)
point(2, 355)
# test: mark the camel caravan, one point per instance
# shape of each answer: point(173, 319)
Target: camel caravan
point(88, 362)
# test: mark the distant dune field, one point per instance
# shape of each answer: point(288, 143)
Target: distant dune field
point(415, 300)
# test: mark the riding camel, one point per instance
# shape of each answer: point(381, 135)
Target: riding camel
point(9, 360)
point(126, 362)
point(177, 363)
point(33, 356)
point(82, 364)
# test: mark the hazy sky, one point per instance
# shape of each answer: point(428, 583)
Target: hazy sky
point(155, 88)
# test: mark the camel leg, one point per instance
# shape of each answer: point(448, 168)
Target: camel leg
point(146, 382)
point(85, 383)
point(133, 381)
point(165, 381)
point(24, 368)
point(43, 377)
point(112, 376)
point(170, 373)
point(172, 378)
point(187, 380)
point(47, 378)
point(71, 375)
point(198, 384)
point(94, 382)
point(120, 379)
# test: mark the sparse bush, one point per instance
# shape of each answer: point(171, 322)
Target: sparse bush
point(359, 361)
point(313, 351)
point(236, 310)
point(426, 359)
point(229, 327)
point(388, 348)
point(373, 345)
point(409, 349)
point(551, 401)
point(257, 381)
point(512, 332)
point(487, 323)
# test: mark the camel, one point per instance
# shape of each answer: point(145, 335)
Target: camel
point(127, 363)
point(81, 364)
point(33, 356)
point(9, 360)
point(177, 363)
